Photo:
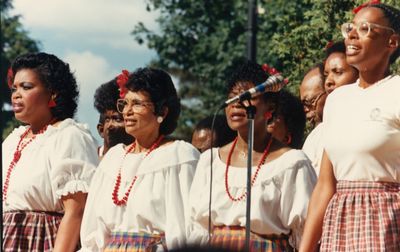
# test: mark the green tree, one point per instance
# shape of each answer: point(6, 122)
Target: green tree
point(201, 42)
point(14, 41)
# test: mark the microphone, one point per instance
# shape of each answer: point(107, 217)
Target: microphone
point(273, 84)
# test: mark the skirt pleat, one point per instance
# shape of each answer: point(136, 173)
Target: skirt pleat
point(30, 231)
point(363, 216)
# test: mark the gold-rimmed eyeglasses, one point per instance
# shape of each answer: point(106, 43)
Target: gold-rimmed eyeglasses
point(137, 106)
point(363, 28)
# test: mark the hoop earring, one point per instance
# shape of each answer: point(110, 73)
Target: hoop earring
point(160, 119)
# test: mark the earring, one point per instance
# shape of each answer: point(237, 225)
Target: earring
point(51, 103)
point(289, 139)
point(160, 119)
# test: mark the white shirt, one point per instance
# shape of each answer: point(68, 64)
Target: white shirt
point(56, 163)
point(279, 196)
point(157, 203)
point(313, 147)
point(362, 131)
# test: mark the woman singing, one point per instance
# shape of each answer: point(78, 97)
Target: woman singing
point(49, 162)
point(356, 202)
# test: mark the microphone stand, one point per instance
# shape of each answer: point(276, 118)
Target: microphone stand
point(251, 111)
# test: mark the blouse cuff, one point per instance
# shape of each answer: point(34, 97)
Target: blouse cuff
point(72, 187)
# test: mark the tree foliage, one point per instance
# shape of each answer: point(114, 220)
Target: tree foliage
point(201, 42)
point(15, 40)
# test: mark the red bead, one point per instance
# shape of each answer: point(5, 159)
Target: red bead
point(118, 179)
point(228, 162)
point(17, 156)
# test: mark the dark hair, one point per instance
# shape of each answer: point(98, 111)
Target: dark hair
point(106, 96)
point(247, 72)
point(223, 133)
point(393, 16)
point(291, 109)
point(56, 77)
point(338, 46)
point(158, 84)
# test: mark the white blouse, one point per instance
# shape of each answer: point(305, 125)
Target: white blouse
point(157, 203)
point(279, 196)
point(59, 162)
point(362, 131)
point(313, 147)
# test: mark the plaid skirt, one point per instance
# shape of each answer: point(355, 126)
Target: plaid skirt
point(233, 238)
point(30, 231)
point(135, 242)
point(363, 216)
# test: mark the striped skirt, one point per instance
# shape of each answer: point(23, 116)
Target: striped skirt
point(135, 242)
point(30, 231)
point(234, 239)
point(363, 216)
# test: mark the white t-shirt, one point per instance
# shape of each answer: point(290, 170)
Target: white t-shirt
point(313, 147)
point(157, 203)
point(279, 196)
point(56, 163)
point(362, 131)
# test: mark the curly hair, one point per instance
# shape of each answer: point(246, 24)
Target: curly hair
point(393, 16)
point(247, 72)
point(291, 109)
point(56, 76)
point(158, 84)
point(106, 96)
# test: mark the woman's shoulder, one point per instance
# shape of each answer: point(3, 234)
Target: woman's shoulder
point(172, 154)
point(291, 159)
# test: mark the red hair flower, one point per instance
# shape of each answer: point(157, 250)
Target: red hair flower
point(121, 82)
point(358, 8)
point(269, 70)
point(10, 76)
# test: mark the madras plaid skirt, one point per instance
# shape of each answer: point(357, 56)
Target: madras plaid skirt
point(234, 239)
point(363, 216)
point(135, 242)
point(30, 231)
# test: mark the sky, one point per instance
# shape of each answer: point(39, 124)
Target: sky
point(93, 36)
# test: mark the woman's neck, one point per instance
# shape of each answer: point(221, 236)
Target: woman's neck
point(145, 142)
point(36, 127)
point(258, 144)
point(369, 77)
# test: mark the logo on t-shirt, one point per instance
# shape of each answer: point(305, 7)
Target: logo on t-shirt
point(375, 114)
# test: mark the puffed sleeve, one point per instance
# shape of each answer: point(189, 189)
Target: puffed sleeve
point(177, 189)
point(297, 184)
point(74, 159)
point(199, 191)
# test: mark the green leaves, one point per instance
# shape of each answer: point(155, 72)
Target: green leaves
point(206, 40)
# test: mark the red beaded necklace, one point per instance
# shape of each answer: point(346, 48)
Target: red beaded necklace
point(228, 162)
point(123, 201)
point(17, 155)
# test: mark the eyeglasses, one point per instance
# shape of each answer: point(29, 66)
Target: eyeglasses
point(311, 104)
point(363, 28)
point(137, 106)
